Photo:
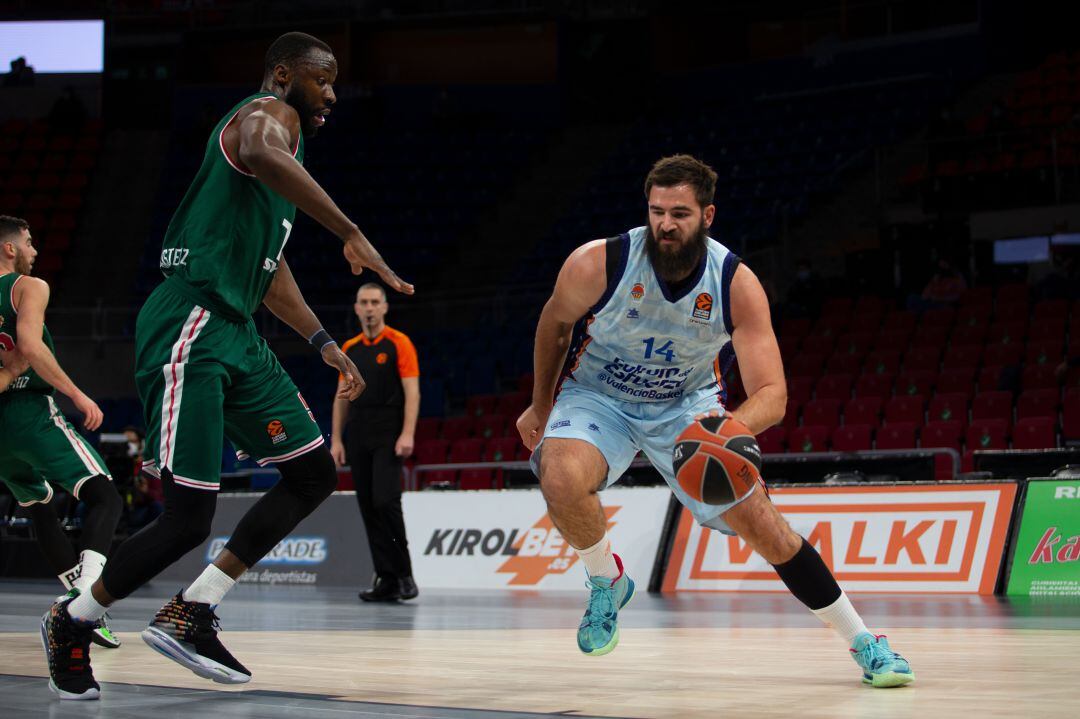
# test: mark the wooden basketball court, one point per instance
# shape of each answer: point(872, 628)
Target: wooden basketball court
point(322, 653)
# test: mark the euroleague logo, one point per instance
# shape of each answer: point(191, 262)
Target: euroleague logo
point(703, 306)
point(637, 291)
point(276, 430)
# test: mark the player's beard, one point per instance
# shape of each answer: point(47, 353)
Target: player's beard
point(295, 98)
point(676, 264)
point(23, 264)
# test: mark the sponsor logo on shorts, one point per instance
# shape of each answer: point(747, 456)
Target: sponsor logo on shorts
point(703, 304)
point(637, 291)
point(593, 426)
point(560, 423)
point(276, 430)
point(532, 553)
point(291, 550)
point(381, 358)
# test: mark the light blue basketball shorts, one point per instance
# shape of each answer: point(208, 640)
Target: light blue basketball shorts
point(619, 429)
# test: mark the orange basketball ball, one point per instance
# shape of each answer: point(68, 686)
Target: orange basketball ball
point(717, 460)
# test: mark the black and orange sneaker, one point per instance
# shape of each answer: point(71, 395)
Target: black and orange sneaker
point(67, 650)
point(186, 632)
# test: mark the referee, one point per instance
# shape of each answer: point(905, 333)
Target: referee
point(379, 428)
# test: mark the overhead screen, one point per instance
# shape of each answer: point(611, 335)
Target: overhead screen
point(63, 46)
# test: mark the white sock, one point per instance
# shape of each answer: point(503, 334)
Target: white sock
point(69, 577)
point(599, 560)
point(210, 588)
point(90, 568)
point(84, 608)
point(843, 618)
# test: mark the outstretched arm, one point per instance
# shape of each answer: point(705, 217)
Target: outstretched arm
point(758, 354)
point(31, 296)
point(580, 285)
point(265, 148)
point(287, 303)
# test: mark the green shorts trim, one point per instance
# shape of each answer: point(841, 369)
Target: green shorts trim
point(39, 447)
point(202, 377)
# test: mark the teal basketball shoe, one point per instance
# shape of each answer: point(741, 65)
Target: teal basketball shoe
point(882, 667)
point(598, 632)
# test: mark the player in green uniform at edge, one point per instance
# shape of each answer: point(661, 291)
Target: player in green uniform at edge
point(202, 370)
point(38, 446)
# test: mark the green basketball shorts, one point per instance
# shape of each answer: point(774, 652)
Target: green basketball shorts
point(39, 447)
point(201, 377)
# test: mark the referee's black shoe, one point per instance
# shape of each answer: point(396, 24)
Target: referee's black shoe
point(407, 588)
point(384, 590)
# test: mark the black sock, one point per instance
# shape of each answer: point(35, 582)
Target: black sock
point(808, 578)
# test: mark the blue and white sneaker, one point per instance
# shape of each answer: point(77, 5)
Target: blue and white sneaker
point(598, 632)
point(882, 667)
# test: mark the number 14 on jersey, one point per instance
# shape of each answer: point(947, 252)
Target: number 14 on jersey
point(667, 350)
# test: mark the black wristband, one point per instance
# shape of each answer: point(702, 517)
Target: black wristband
point(320, 339)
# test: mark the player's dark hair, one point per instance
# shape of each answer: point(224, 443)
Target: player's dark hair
point(11, 226)
point(290, 47)
point(683, 170)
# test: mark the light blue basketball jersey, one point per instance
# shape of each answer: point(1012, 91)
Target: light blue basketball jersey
point(641, 343)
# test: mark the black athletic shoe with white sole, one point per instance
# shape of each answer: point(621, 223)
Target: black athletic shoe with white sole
point(67, 650)
point(186, 632)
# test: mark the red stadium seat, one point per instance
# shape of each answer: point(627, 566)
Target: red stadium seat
point(489, 426)
point(807, 364)
point(1039, 376)
point(900, 321)
point(434, 451)
point(956, 381)
point(871, 384)
point(501, 449)
point(853, 438)
point(821, 413)
point(969, 335)
point(773, 440)
point(427, 428)
point(856, 343)
point(455, 428)
point(863, 410)
point(801, 388)
point(818, 344)
point(1035, 433)
point(993, 405)
point(948, 407)
point(1037, 403)
point(915, 383)
point(883, 362)
point(923, 359)
point(809, 439)
point(894, 341)
point(1002, 354)
point(1044, 329)
point(1047, 351)
point(798, 327)
point(792, 413)
point(1070, 415)
point(942, 434)
point(930, 336)
point(480, 404)
point(1012, 313)
point(844, 363)
point(512, 404)
point(990, 378)
point(1006, 333)
point(962, 357)
point(471, 450)
point(988, 434)
point(834, 386)
point(899, 435)
point(905, 408)
point(1050, 310)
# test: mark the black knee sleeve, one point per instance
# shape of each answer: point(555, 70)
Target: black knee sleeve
point(809, 578)
point(182, 526)
point(103, 507)
point(305, 482)
point(54, 544)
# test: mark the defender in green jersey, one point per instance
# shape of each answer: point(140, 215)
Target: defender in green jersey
point(39, 449)
point(203, 372)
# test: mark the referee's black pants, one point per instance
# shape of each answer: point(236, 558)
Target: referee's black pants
point(376, 472)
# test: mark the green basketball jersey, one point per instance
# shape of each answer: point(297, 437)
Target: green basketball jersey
point(28, 381)
point(225, 241)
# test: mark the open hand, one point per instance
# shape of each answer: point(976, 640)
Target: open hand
point(360, 253)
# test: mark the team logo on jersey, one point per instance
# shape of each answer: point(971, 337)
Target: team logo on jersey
point(276, 430)
point(381, 358)
point(703, 306)
point(637, 291)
